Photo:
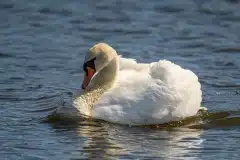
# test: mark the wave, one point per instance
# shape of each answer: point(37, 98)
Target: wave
point(203, 120)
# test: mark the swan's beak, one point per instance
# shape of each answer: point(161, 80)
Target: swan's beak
point(87, 77)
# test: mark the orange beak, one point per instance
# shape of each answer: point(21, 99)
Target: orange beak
point(87, 77)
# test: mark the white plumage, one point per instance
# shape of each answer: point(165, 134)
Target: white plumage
point(152, 93)
point(137, 93)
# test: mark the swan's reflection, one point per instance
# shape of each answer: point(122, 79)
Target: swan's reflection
point(99, 144)
point(102, 140)
point(106, 140)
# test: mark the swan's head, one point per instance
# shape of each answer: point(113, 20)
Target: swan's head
point(96, 59)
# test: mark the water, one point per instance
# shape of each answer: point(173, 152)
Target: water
point(42, 48)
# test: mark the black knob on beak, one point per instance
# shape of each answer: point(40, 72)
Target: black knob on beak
point(83, 87)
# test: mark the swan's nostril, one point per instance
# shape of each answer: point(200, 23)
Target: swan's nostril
point(83, 87)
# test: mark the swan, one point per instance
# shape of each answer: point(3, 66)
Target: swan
point(120, 90)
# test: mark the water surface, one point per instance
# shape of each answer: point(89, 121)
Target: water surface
point(43, 44)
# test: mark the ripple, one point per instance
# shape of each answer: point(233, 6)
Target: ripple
point(35, 67)
point(168, 9)
point(195, 45)
point(44, 109)
point(111, 19)
point(5, 55)
point(233, 1)
point(116, 30)
point(204, 120)
point(6, 6)
point(76, 21)
point(13, 80)
point(63, 12)
point(211, 11)
point(228, 50)
point(37, 24)
point(226, 86)
point(43, 42)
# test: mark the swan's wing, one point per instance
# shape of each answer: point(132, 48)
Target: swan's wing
point(173, 75)
point(131, 64)
point(163, 92)
point(186, 89)
point(125, 103)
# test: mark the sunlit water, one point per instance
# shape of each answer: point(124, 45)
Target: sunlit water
point(42, 48)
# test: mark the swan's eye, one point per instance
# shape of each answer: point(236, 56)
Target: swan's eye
point(85, 68)
point(90, 63)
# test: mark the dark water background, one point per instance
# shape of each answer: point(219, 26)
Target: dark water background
point(42, 45)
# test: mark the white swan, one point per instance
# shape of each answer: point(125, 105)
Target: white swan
point(120, 90)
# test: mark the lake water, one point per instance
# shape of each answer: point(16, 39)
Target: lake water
point(43, 44)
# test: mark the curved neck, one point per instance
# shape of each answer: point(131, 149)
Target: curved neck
point(106, 77)
point(101, 82)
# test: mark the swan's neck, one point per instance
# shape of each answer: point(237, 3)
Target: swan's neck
point(106, 77)
point(104, 80)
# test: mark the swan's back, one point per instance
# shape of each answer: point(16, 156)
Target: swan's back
point(185, 94)
point(150, 94)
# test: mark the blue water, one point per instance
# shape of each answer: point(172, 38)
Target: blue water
point(42, 48)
